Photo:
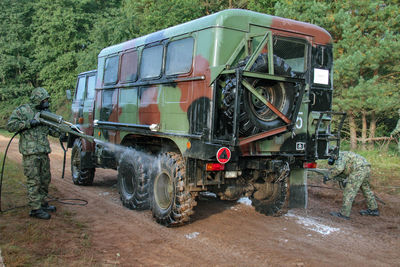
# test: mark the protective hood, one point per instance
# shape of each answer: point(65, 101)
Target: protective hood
point(38, 94)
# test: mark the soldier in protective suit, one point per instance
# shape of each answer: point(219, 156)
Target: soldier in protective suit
point(397, 131)
point(354, 170)
point(34, 147)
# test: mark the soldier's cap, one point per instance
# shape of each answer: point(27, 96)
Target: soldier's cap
point(38, 95)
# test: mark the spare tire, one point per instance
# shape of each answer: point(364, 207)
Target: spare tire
point(255, 116)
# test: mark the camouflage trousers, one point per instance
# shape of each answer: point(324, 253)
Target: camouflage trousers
point(358, 179)
point(37, 172)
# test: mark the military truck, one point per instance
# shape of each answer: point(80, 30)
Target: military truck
point(229, 103)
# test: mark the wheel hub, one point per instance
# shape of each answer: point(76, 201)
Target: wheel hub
point(163, 190)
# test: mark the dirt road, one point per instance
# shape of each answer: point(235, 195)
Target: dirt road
point(228, 233)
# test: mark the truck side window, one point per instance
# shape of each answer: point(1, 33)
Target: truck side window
point(150, 66)
point(80, 89)
point(106, 105)
point(179, 56)
point(129, 62)
point(111, 70)
point(91, 85)
point(292, 52)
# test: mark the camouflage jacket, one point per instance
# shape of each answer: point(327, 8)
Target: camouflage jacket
point(346, 163)
point(397, 129)
point(32, 140)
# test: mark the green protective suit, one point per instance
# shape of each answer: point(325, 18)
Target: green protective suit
point(34, 146)
point(356, 169)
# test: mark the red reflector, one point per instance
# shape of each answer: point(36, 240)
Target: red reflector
point(215, 167)
point(309, 165)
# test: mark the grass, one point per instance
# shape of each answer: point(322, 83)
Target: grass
point(25, 241)
point(385, 167)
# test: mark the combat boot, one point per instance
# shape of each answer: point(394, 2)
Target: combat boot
point(40, 214)
point(48, 208)
point(370, 212)
point(339, 215)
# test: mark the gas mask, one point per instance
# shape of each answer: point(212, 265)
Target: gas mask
point(44, 105)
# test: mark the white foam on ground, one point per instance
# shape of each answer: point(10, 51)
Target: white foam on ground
point(208, 194)
point(313, 225)
point(192, 235)
point(244, 200)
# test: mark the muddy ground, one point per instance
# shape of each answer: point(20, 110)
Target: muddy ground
point(228, 233)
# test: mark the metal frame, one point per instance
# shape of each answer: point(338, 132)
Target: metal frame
point(245, 72)
point(332, 137)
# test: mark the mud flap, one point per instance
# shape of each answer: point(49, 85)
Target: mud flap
point(298, 189)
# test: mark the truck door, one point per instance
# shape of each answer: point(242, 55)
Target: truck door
point(77, 104)
point(320, 106)
point(83, 103)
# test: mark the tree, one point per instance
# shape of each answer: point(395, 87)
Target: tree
point(366, 52)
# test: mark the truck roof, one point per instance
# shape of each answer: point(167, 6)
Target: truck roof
point(237, 19)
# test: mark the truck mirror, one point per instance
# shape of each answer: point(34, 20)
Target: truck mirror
point(69, 95)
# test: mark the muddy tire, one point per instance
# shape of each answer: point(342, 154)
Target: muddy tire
point(80, 176)
point(134, 179)
point(171, 203)
point(269, 198)
point(255, 116)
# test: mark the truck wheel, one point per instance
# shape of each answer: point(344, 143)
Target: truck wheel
point(172, 204)
point(133, 180)
point(80, 176)
point(269, 197)
point(255, 116)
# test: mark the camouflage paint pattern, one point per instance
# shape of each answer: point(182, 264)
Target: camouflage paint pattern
point(83, 109)
point(37, 172)
point(356, 169)
point(34, 146)
point(181, 105)
point(32, 140)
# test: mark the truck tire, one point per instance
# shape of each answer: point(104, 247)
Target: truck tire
point(255, 116)
point(270, 197)
point(80, 176)
point(133, 180)
point(172, 204)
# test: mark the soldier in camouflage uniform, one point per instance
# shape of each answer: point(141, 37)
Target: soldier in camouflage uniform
point(355, 170)
point(34, 147)
point(397, 131)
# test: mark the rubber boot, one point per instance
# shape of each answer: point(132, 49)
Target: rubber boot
point(339, 215)
point(48, 208)
point(40, 214)
point(370, 212)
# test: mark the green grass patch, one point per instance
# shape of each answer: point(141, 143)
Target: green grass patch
point(26, 241)
point(385, 167)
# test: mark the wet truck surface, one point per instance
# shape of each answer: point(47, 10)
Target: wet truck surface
point(237, 103)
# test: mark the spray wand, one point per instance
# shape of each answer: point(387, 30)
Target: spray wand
point(55, 121)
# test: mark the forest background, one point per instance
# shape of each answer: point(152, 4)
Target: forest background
point(48, 42)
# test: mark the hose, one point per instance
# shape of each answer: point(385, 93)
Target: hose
point(65, 201)
point(4, 161)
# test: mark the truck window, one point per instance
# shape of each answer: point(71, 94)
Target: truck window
point(80, 89)
point(292, 52)
point(150, 66)
point(129, 66)
point(91, 85)
point(111, 70)
point(179, 56)
point(106, 105)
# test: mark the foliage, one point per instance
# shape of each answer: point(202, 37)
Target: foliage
point(48, 42)
point(366, 50)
